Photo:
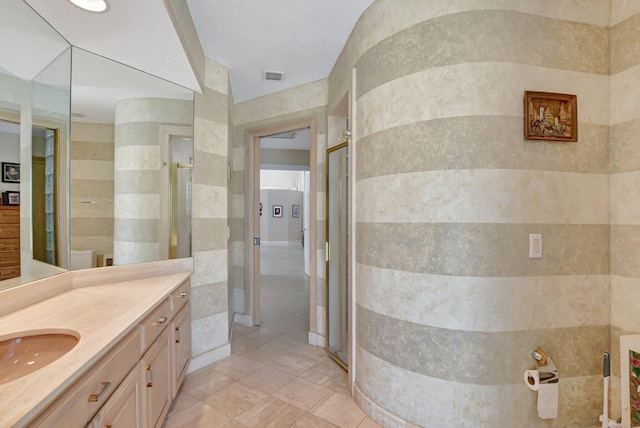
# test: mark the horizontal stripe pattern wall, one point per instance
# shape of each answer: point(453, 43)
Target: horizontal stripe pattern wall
point(92, 187)
point(450, 305)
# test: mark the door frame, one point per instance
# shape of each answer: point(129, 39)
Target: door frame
point(252, 215)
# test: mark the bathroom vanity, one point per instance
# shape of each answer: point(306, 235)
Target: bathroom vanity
point(132, 325)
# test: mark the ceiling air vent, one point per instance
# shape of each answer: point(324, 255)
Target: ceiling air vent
point(276, 76)
point(78, 115)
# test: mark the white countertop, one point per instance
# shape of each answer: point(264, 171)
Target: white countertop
point(100, 314)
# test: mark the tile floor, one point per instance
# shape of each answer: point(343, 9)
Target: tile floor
point(273, 378)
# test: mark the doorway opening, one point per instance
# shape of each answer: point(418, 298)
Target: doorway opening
point(275, 227)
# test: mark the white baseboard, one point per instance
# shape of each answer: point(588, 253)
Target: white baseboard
point(316, 339)
point(210, 357)
point(242, 319)
point(378, 413)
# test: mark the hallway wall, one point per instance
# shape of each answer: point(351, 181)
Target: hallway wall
point(449, 304)
point(625, 182)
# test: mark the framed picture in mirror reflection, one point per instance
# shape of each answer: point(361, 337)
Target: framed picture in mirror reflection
point(13, 198)
point(10, 172)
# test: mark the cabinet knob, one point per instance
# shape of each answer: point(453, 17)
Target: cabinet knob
point(183, 295)
point(94, 398)
point(161, 321)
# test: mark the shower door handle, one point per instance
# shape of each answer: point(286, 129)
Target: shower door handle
point(256, 241)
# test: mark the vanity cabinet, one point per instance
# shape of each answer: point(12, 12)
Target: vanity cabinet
point(9, 241)
point(134, 384)
point(124, 408)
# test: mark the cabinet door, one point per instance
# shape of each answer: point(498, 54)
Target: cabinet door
point(181, 328)
point(156, 364)
point(125, 407)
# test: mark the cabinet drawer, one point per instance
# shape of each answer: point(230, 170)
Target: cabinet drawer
point(181, 296)
point(181, 342)
point(10, 215)
point(9, 231)
point(154, 324)
point(81, 402)
point(10, 244)
point(9, 258)
point(7, 272)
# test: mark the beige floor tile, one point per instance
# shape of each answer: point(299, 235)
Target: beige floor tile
point(243, 344)
point(311, 351)
point(270, 413)
point(265, 334)
point(242, 330)
point(197, 416)
point(237, 367)
point(340, 410)
point(267, 379)
point(292, 324)
point(293, 363)
point(181, 402)
point(287, 342)
point(368, 423)
point(204, 382)
point(235, 399)
point(301, 393)
point(327, 375)
point(233, 424)
point(310, 421)
point(266, 353)
point(343, 388)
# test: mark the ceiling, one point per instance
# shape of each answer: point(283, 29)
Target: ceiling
point(302, 38)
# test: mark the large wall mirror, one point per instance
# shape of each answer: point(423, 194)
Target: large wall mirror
point(98, 156)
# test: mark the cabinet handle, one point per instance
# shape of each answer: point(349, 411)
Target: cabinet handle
point(182, 295)
point(178, 335)
point(161, 321)
point(94, 398)
point(151, 371)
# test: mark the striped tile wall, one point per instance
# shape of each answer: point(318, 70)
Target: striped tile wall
point(92, 148)
point(449, 303)
point(209, 284)
point(625, 182)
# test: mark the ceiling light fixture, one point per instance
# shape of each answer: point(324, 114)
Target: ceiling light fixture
point(91, 5)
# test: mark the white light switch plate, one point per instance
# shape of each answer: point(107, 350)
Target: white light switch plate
point(535, 246)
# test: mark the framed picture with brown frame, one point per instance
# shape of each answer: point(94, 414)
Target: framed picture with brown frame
point(550, 116)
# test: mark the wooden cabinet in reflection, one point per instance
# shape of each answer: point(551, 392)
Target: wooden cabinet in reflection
point(9, 242)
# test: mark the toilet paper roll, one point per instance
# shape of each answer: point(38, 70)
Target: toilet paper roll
point(532, 379)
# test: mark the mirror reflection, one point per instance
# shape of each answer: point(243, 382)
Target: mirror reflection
point(131, 156)
point(35, 67)
point(108, 184)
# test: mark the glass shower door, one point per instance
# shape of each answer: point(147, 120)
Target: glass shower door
point(337, 253)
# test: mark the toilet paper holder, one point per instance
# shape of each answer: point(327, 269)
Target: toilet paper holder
point(546, 368)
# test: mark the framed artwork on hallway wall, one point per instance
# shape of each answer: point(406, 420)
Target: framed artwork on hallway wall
point(550, 116)
point(295, 211)
point(277, 211)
